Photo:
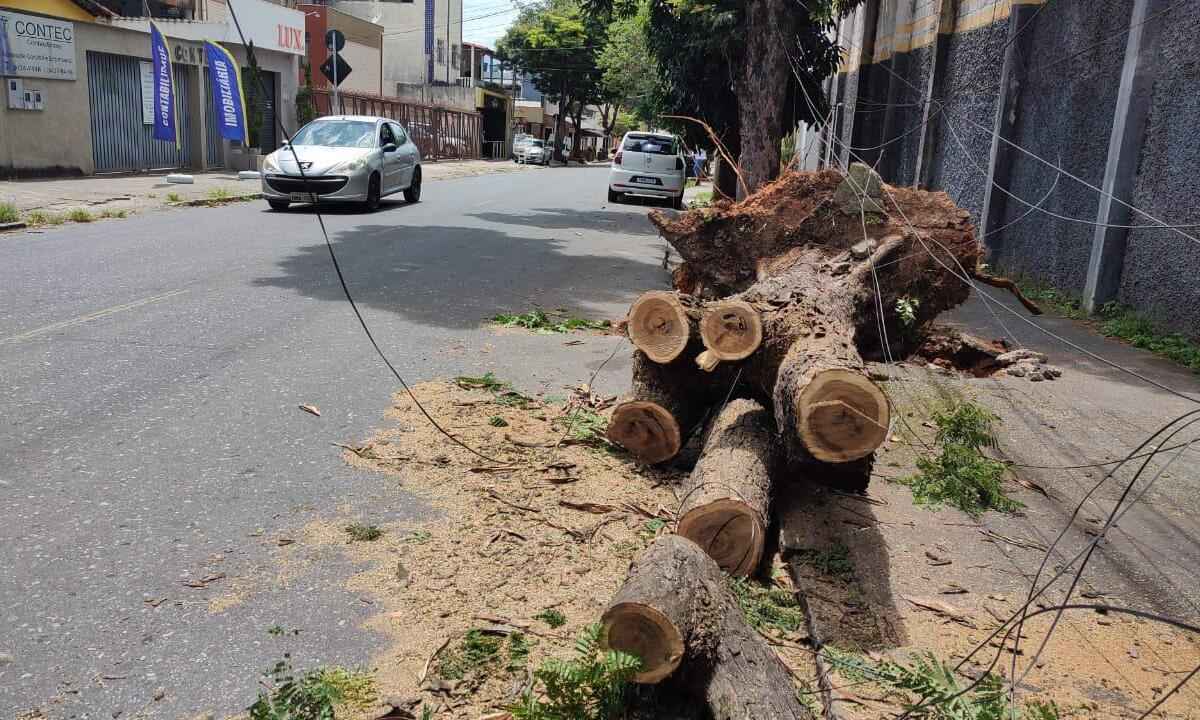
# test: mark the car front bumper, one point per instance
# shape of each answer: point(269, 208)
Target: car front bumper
point(328, 188)
point(621, 180)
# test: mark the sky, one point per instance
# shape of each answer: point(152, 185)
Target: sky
point(484, 21)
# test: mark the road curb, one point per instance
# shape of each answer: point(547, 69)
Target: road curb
point(211, 202)
point(18, 225)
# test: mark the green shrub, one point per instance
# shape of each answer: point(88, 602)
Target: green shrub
point(79, 215)
point(9, 213)
point(590, 686)
point(312, 695)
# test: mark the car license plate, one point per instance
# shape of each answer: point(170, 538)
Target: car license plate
point(647, 181)
point(303, 197)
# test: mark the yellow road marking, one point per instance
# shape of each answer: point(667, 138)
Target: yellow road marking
point(89, 317)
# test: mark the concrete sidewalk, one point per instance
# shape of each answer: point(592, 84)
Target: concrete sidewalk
point(144, 192)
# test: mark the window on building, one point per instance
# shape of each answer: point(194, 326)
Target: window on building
point(455, 52)
point(441, 51)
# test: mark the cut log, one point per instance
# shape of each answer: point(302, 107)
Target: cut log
point(676, 613)
point(652, 423)
point(730, 329)
point(661, 324)
point(726, 501)
point(832, 289)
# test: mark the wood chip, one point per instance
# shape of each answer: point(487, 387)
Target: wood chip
point(953, 589)
point(492, 494)
point(1016, 542)
point(520, 442)
point(204, 581)
point(595, 508)
point(155, 602)
point(311, 410)
point(936, 560)
point(425, 671)
point(1030, 485)
point(943, 609)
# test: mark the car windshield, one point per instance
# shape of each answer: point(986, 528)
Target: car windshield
point(337, 133)
point(649, 144)
point(537, 143)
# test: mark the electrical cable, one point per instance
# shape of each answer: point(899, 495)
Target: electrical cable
point(338, 268)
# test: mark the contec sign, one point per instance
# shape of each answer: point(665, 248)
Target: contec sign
point(36, 47)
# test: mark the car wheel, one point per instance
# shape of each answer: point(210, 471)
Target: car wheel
point(413, 193)
point(373, 194)
point(278, 205)
point(615, 197)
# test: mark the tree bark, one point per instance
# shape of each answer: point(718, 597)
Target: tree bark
point(676, 613)
point(652, 422)
point(726, 500)
point(761, 88)
point(828, 271)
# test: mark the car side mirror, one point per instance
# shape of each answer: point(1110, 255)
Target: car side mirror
point(390, 147)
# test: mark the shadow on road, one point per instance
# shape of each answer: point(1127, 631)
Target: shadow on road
point(457, 277)
point(572, 219)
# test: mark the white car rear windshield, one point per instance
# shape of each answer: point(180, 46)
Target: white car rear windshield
point(652, 145)
point(337, 133)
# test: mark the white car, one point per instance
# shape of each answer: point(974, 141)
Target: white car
point(648, 165)
point(534, 151)
point(344, 158)
point(520, 140)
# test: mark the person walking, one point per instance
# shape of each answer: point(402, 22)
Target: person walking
point(698, 165)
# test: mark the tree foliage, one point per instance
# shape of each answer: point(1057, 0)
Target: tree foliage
point(555, 43)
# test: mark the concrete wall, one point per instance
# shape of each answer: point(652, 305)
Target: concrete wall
point(1056, 97)
point(448, 96)
point(58, 140)
point(1065, 115)
point(404, 58)
point(1161, 266)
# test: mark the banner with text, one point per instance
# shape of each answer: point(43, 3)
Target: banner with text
point(228, 101)
point(36, 47)
point(165, 127)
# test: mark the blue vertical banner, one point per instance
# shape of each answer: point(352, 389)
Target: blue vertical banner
point(165, 127)
point(429, 40)
point(228, 100)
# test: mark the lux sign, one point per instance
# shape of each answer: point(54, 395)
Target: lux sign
point(290, 37)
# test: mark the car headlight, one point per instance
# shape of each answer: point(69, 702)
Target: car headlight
point(269, 164)
point(349, 166)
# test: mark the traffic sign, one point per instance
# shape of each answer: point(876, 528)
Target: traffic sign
point(335, 40)
point(343, 69)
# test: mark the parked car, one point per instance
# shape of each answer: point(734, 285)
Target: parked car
point(536, 152)
point(520, 140)
point(345, 158)
point(648, 165)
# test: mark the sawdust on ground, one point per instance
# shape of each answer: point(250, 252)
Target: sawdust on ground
point(538, 526)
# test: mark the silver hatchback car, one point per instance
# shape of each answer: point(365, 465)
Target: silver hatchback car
point(345, 158)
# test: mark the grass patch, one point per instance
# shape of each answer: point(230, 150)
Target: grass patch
point(588, 427)
point(173, 197)
point(833, 560)
point(767, 607)
point(79, 215)
point(219, 194)
point(473, 654)
point(931, 682)
point(111, 213)
point(288, 695)
point(1139, 331)
point(961, 475)
point(519, 646)
point(590, 686)
point(418, 537)
point(553, 618)
point(360, 532)
point(9, 213)
point(503, 392)
point(701, 200)
point(540, 321)
point(38, 218)
point(497, 421)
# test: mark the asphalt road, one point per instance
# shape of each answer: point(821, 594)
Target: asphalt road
point(151, 370)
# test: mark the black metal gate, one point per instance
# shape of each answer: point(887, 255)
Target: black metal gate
point(121, 141)
point(254, 99)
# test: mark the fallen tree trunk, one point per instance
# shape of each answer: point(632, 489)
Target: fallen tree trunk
point(663, 324)
point(726, 501)
point(676, 613)
point(731, 330)
point(667, 402)
point(841, 268)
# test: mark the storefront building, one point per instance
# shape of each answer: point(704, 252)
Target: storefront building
point(78, 94)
